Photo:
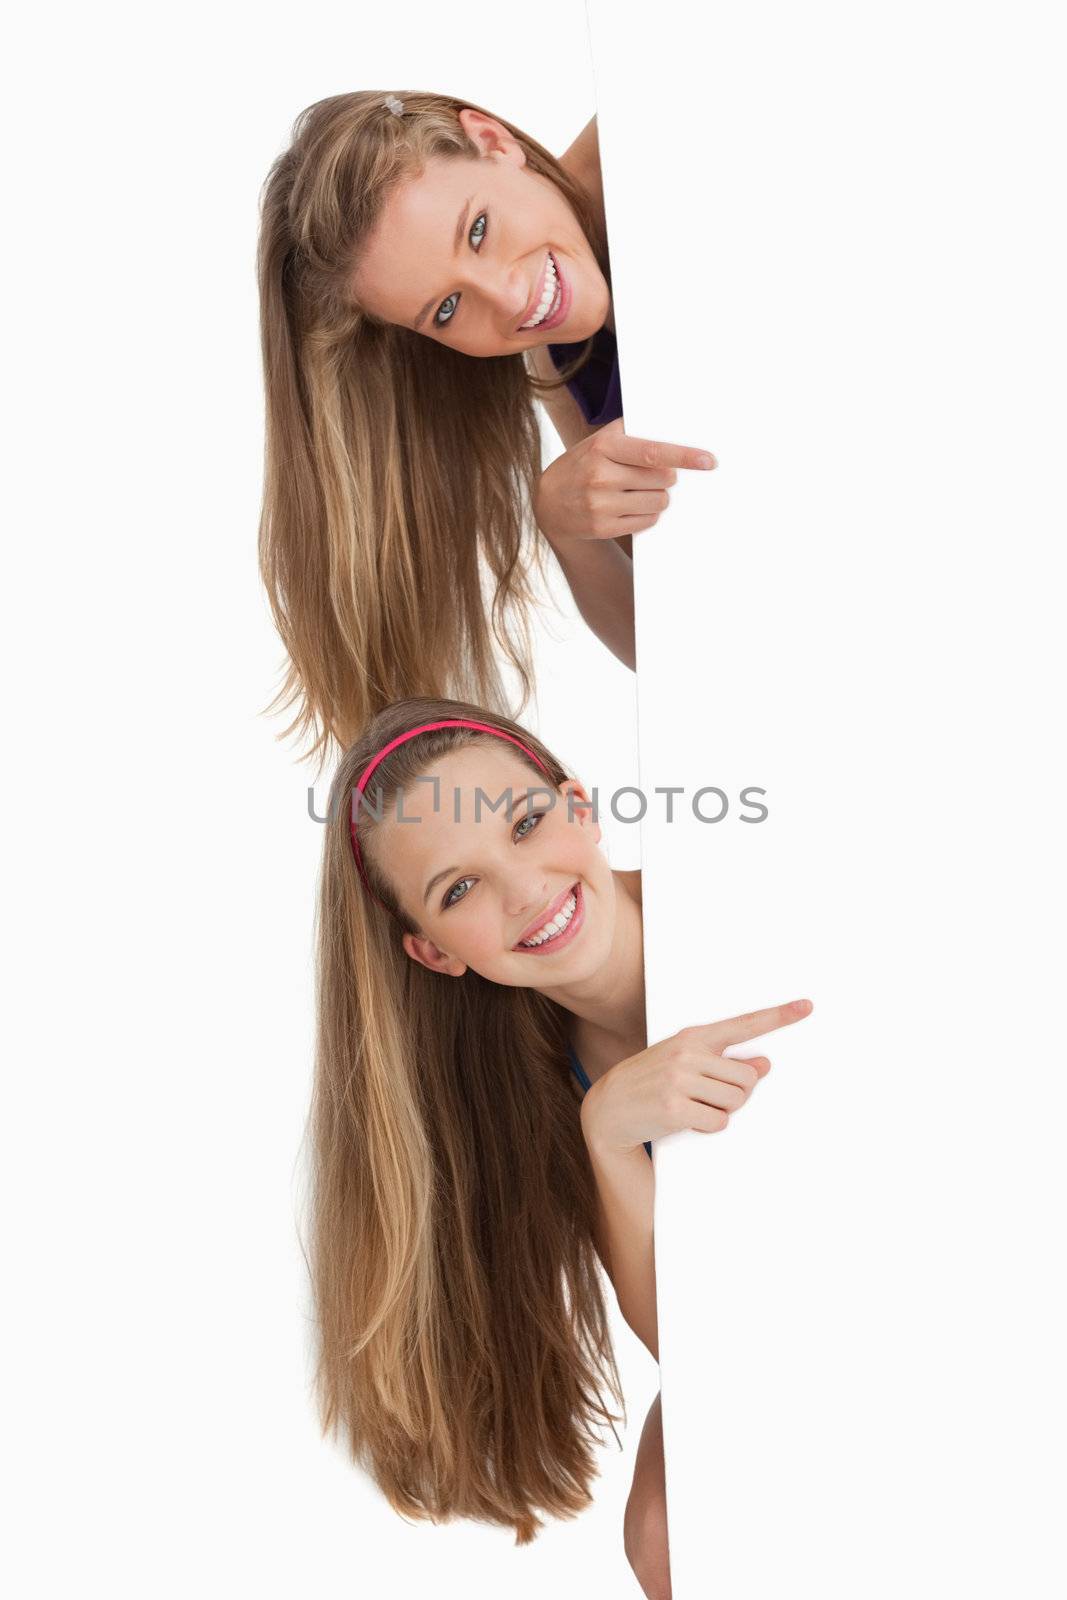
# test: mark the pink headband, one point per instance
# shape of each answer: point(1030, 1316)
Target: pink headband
point(424, 727)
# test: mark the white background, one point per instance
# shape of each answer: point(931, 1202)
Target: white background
point(838, 260)
point(161, 866)
point(838, 254)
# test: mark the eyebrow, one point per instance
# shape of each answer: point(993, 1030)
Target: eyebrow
point(435, 880)
point(460, 226)
point(438, 877)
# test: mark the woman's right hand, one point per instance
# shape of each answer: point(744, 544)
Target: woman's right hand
point(681, 1082)
point(610, 484)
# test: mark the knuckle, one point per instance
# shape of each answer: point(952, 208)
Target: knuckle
point(672, 1108)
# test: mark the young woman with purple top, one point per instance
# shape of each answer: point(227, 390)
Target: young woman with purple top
point(427, 269)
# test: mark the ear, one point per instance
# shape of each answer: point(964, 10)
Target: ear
point(427, 954)
point(580, 807)
point(491, 137)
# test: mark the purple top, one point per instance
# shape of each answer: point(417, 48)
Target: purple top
point(596, 387)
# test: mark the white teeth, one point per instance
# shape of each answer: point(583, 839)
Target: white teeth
point(548, 297)
point(555, 926)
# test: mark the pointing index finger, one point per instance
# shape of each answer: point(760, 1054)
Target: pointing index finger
point(754, 1023)
point(657, 454)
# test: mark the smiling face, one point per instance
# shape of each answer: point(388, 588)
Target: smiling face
point(527, 902)
point(484, 255)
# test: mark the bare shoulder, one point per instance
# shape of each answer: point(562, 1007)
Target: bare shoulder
point(583, 155)
point(582, 161)
point(630, 883)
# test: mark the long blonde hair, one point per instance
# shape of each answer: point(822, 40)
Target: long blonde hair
point(462, 1332)
point(392, 463)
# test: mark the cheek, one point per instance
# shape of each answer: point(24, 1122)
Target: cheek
point(487, 345)
point(473, 937)
point(535, 214)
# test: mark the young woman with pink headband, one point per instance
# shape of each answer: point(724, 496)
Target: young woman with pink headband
point(483, 1093)
point(426, 270)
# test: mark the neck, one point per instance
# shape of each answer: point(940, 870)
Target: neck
point(611, 1003)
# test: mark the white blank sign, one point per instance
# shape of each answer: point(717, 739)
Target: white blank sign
point(838, 261)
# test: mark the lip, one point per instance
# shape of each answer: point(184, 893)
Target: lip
point(560, 313)
point(569, 931)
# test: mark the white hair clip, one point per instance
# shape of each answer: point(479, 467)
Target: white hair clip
point(396, 106)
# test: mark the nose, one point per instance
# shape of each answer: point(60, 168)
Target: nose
point(504, 291)
point(525, 893)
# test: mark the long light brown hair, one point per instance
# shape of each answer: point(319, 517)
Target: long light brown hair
point(462, 1335)
point(396, 540)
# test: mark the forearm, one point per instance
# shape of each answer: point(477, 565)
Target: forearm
point(625, 1194)
point(601, 579)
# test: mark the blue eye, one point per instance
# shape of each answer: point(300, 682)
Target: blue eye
point(521, 831)
point(449, 901)
point(447, 309)
point(452, 302)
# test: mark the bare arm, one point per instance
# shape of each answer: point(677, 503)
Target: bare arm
point(605, 487)
point(625, 1192)
point(598, 571)
point(679, 1082)
point(601, 579)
